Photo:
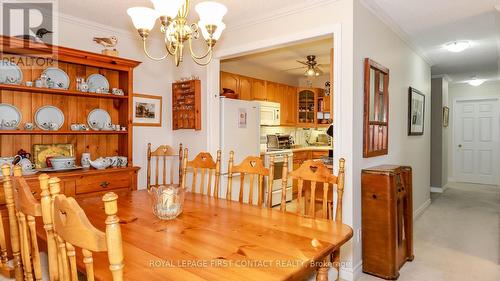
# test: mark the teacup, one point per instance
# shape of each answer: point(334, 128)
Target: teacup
point(53, 126)
point(75, 127)
point(123, 161)
point(84, 127)
point(29, 83)
point(113, 160)
point(29, 126)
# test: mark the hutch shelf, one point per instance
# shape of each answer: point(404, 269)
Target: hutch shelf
point(75, 106)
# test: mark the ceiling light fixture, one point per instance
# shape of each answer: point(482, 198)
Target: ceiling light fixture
point(476, 82)
point(457, 46)
point(176, 30)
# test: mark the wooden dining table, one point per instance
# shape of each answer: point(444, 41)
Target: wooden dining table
point(214, 239)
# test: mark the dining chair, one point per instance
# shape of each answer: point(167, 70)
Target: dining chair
point(72, 229)
point(13, 223)
point(166, 154)
point(205, 166)
point(27, 209)
point(251, 167)
point(318, 176)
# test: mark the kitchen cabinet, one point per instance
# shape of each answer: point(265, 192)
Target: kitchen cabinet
point(289, 106)
point(245, 88)
point(306, 107)
point(241, 85)
point(272, 93)
point(259, 89)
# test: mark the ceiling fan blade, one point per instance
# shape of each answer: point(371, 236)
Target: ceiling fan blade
point(304, 63)
point(323, 64)
point(295, 68)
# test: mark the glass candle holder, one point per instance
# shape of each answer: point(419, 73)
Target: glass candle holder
point(167, 201)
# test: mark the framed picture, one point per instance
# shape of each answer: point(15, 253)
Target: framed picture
point(416, 112)
point(446, 116)
point(42, 151)
point(147, 110)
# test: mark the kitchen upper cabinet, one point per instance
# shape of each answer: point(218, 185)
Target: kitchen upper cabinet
point(229, 81)
point(272, 92)
point(259, 89)
point(245, 89)
point(289, 106)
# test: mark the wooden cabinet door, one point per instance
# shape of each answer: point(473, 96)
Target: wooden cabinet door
point(289, 106)
point(229, 81)
point(259, 89)
point(272, 92)
point(245, 88)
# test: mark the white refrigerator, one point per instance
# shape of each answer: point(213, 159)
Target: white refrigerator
point(239, 132)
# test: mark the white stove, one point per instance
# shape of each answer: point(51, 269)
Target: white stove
point(279, 160)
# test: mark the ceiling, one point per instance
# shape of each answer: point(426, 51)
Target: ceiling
point(429, 24)
point(114, 12)
point(284, 59)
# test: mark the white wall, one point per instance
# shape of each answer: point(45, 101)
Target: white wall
point(150, 77)
point(375, 40)
point(490, 89)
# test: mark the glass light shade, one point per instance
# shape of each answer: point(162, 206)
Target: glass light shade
point(168, 8)
point(457, 46)
point(310, 72)
point(476, 82)
point(142, 17)
point(211, 12)
point(218, 31)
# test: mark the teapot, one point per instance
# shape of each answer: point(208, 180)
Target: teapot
point(100, 163)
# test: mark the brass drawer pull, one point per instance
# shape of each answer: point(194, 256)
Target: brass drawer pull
point(104, 184)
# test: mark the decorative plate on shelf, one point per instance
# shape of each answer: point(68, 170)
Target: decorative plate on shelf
point(42, 151)
point(98, 119)
point(60, 78)
point(10, 73)
point(49, 118)
point(10, 117)
point(96, 82)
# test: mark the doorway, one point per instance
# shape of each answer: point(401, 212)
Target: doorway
point(476, 141)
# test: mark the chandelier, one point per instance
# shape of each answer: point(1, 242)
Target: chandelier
point(177, 31)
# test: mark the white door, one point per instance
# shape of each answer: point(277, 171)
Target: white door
point(476, 141)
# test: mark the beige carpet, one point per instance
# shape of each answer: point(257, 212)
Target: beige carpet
point(457, 238)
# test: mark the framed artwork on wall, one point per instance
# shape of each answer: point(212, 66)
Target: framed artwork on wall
point(446, 116)
point(416, 112)
point(147, 110)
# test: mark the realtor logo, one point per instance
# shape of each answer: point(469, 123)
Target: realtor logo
point(34, 22)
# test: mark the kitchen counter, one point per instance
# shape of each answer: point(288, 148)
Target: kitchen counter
point(311, 148)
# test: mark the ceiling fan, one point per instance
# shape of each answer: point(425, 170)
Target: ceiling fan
point(312, 68)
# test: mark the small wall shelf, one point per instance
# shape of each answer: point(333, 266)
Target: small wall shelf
point(20, 88)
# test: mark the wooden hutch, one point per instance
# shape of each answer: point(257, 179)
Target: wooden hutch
point(76, 106)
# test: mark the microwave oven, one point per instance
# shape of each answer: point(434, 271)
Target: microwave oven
point(269, 113)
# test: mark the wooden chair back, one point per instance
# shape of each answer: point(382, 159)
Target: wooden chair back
point(205, 166)
point(252, 167)
point(27, 209)
point(167, 155)
point(318, 176)
point(13, 224)
point(73, 229)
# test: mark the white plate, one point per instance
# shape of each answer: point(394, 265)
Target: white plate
point(96, 81)
point(98, 118)
point(9, 113)
point(51, 169)
point(29, 172)
point(9, 69)
point(49, 114)
point(60, 78)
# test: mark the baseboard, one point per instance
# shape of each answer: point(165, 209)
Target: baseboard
point(351, 274)
point(437, 189)
point(451, 179)
point(418, 212)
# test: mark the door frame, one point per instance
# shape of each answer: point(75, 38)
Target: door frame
point(454, 127)
point(213, 73)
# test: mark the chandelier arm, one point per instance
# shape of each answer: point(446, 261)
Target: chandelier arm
point(209, 51)
point(168, 47)
point(207, 62)
point(148, 55)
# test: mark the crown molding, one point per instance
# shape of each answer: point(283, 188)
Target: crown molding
point(443, 76)
point(279, 13)
point(372, 6)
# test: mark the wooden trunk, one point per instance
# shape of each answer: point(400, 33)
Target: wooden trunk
point(387, 219)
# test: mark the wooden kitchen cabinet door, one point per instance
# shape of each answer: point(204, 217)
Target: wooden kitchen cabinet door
point(245, 88)
point(259, 89)
point(229, 81)
point(272, 91)
point(289, 106)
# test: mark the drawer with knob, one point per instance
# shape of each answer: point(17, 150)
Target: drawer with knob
point(103, 182)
